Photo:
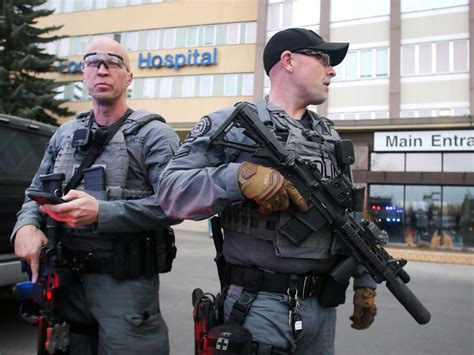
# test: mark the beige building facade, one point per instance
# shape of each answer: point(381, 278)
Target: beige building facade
point(404, 93)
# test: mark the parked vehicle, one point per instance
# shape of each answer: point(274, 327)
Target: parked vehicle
point(22, 144)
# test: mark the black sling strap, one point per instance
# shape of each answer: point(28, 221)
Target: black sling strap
point(101, 139)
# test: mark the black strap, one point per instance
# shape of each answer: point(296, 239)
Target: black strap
point(218, 239)
point(101, 139)
point(241, 307)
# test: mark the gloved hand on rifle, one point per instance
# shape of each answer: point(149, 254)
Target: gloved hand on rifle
point(364, 308)
point(268, 188)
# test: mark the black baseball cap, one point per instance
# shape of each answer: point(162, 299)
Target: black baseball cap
point(294, 39)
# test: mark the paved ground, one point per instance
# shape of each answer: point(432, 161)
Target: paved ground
point(446, 290)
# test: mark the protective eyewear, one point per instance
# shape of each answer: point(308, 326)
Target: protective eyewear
point(110, 61)
point(323, 57)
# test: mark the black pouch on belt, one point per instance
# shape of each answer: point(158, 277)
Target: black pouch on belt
point(333, 292)
point(148, 252)
point(133, 263)
point(165, 249)
point(119, 260)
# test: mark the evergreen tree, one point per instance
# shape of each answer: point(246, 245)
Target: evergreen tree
point(24, 89)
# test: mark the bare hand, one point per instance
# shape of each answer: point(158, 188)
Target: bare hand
point(80, 209)
point(28, 242)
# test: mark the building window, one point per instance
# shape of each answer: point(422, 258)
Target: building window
point(381, 114)
point(169, 36)
point(305, 13)
point(458, 162)
point(59, 93)
point(458, 215)
point(408, 60)
point(343, 10)
point(435, 58)
point(149, 85)
point(412, 6)
point(153, 39)
point(247, 84)
point(350, 66)
point(369, 63)
point(431, 162)
point(275, 16)
point(423, 214)
point(250, 32)
point(68, 6)
point(100, 4)
point(230, 84)
point(425, 58)
point(233, 33)
point(366, 63)
point(192, 37)
point(188, 83)
point(119, 3)
point(63, 47)
point(460, 56)
point(209, 35)
point(423, 205)
point(130, 41)
point(205, 85)
point(85, 5)
point(381, 69)
point(166, 85)
point(387, 161)
point(385, 207)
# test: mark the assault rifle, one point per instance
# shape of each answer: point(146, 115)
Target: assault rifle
point(330, 201)
point(53, 276)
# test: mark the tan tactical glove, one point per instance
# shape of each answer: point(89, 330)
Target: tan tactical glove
point(364, 308)
point(268, 188)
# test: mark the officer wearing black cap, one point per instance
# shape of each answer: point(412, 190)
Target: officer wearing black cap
point(275, 288)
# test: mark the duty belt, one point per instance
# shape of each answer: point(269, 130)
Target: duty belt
point(89, 263)
point(256, 280)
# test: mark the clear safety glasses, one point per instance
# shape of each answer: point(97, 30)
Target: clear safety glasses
point(110, 61)
point(323, 57)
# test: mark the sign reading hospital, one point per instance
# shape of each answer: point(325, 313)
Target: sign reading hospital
point(178, 60)
point(458, 140)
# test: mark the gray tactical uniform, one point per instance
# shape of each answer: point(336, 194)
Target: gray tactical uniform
point(206, 177)
point(127, 311)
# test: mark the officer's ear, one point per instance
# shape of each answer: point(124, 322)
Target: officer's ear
point(129, 78)
point(287, 61)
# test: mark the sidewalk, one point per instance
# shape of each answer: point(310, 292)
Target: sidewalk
point(397, 251)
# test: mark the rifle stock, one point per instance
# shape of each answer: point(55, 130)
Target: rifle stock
point(330, 201)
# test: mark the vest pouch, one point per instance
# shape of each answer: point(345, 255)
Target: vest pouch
point(358, 193)
point(315, 246)
point(165, 250)
point(333, 293)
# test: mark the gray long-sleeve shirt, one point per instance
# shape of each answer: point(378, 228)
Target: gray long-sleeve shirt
point(149, 150)
point(201, 180)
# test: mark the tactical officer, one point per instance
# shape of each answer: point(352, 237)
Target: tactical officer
point(273, 285)
point(111, 229)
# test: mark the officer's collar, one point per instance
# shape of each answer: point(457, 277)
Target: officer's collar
point(275, 109)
